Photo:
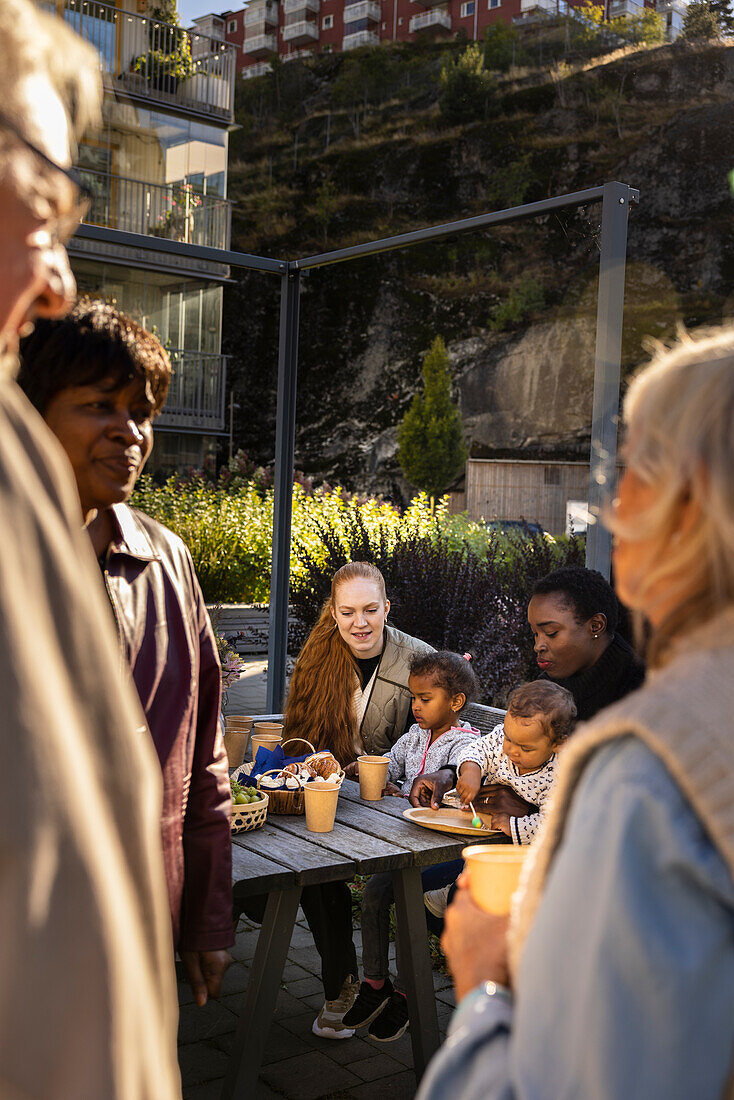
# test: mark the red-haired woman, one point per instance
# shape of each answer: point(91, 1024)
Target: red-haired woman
point(349, 694)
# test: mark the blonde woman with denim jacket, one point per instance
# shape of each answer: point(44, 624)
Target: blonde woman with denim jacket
point(617, 977)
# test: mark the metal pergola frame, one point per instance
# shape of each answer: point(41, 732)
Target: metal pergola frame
point(615, 198)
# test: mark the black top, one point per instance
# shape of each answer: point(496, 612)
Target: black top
point(617, 672)
point(366, 667)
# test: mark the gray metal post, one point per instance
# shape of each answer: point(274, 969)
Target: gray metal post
point(285, 443)
point(610, 308)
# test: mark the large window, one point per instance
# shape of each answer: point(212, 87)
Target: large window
point(155, 147)
point(183, 313)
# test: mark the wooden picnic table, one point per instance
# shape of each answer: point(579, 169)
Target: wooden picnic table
point(283, 857)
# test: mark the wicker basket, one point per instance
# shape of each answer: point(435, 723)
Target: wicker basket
point(284, 801)
point(287, 800)
point(250, 816)
point(301, 739)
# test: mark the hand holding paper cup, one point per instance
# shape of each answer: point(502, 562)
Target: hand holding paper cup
point(494, 872)
point(372, 776)
point(321, 800)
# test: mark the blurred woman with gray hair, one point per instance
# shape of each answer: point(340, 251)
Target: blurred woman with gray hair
point(88, 1003)
point(619, 976)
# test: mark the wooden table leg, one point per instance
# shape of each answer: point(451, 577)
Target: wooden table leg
point(416, 963)
point(266, 973)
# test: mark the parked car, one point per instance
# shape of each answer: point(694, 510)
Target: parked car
point(507, 526)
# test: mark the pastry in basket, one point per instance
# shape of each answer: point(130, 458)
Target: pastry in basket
point(284, 780)
point(324, 764)
point(302, 771)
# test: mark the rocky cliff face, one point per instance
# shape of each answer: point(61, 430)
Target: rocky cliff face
point(659, 120)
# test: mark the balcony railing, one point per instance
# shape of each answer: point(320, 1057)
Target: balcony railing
point(363, 9)
point(260, 69)
point(678, 6)
point(260, 43)
point(439, 17)
point(173, 211)
point(153, 59)
point(624, 7)
point(296, 55)
point(303, 31)
point(290, 7)
point(360, 38)
point(266, 13)
point(196, 394)
point(528, 6)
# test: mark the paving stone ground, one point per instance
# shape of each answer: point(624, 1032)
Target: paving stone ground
point(297, 1065)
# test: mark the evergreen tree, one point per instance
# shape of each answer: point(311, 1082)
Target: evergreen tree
point(724, 16)
point(466, 88)
point(431, 447)
point(501, 47)
point(700, 23)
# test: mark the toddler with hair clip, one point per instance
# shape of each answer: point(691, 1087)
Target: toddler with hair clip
point(441, 684)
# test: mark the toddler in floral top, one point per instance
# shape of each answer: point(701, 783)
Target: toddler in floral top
point(441, 684)
point(521, 753)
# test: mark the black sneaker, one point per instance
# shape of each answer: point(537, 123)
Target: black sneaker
point(369, 1003)
point(392, 1021)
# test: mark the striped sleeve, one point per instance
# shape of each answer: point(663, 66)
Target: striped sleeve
point(523, 829)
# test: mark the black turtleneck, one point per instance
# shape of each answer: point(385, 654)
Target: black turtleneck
point(617, 672)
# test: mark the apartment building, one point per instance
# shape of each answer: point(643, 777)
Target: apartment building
point(158, 166)
point(298, 28)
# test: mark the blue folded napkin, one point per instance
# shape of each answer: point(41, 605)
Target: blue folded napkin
point(266, 760)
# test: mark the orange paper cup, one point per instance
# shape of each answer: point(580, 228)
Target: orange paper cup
point(494, 872)
point(372, 776)
point(321, 800)
point(267, 740)
point(236, 742)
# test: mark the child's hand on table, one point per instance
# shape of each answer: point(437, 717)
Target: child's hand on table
point(468, 782)
point(352, 770)
point(390, 788)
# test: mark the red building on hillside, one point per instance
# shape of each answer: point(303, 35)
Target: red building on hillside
point(296, 28)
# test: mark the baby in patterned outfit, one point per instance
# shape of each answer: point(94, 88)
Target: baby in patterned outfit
point(521, 753)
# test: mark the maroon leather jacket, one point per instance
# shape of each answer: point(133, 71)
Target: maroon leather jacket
point(166, 637)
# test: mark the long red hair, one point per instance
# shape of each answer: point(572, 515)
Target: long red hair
point(320, 705)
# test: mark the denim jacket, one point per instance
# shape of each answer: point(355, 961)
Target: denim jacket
point(625, 988)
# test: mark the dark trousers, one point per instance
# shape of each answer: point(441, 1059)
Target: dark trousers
point(328, 912)
point(377, 901)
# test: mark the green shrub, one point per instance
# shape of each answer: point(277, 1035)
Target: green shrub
point(501, 47)
point(455, 583)
point(524, 298)
point(465, 86)
point(227, 525)
point(700, 23)
point(448, 594)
